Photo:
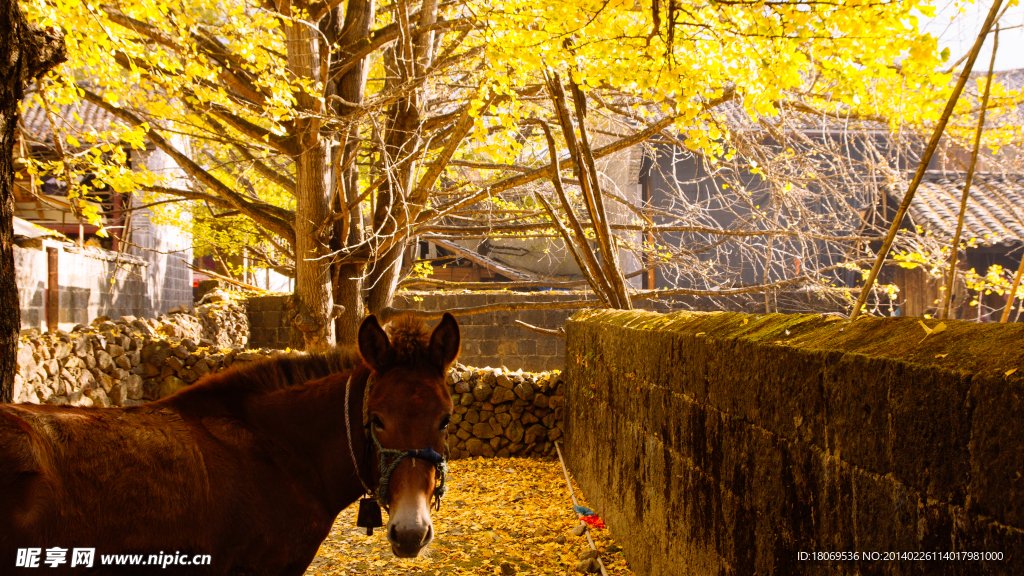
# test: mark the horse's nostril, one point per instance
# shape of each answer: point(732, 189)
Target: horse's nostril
point(393, 534)
point(430, 534)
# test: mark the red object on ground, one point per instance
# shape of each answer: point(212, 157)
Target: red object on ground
point(594, 521)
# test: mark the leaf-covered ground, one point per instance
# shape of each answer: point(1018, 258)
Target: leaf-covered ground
point(501, 516)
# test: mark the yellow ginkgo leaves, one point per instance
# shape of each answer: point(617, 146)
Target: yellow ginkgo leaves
point(501, 515)
point(939, 328)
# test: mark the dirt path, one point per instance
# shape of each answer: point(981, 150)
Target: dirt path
point(501, 516)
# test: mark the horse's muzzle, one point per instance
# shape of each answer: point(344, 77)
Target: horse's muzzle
point(409, 541)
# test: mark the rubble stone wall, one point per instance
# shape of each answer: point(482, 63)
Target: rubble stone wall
point(499, 413)
point(131, 361)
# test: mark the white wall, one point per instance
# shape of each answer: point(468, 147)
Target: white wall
point(93, 282)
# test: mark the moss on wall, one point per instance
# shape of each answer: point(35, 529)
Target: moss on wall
point(724, 443)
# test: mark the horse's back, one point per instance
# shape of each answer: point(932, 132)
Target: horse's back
point(69, 474)
point(21, 466)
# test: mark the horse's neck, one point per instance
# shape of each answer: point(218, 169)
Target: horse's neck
point(308, 422)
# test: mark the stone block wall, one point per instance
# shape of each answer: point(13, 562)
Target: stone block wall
point(488, 339)
point(165, 246)
point(270, 322)
point(725, 443)
point(30, 276)
point(493, 338)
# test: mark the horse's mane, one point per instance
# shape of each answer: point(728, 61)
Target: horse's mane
point(277, 372)
point(409, 339)
point(294, 369)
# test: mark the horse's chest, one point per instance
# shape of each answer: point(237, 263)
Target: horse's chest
point(291, 540)
point(274, 507)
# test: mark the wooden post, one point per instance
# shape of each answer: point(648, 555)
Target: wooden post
point(52, 290)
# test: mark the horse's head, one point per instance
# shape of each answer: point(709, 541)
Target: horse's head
point(408, 409)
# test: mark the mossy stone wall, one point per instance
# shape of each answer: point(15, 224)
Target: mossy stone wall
point(726, 443)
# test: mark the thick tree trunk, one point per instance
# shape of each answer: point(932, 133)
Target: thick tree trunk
point(402, 140)
point(10, 308)
point(348, 231)
point(312, 201)
point(312, 264)
point(25, 54)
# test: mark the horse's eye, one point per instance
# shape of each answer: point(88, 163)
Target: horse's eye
point(445, 421)
point(377, 423)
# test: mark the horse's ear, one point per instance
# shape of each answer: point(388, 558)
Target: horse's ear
point(445, 341)
point(374, 346)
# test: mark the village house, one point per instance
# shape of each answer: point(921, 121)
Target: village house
point(66, 273)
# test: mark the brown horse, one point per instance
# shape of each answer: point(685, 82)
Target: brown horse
point(250, 466)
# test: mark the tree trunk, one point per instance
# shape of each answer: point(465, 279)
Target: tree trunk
point(385, 278)
point(25, 54)
point(312, 201)
point(348, 231)
point(312, 265)
point(402, 140)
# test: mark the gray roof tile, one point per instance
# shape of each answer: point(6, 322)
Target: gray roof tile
point(995, 208)
point(92, 116)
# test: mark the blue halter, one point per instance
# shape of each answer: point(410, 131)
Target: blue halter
point(389, 460)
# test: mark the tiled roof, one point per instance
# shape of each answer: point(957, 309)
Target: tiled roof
point(995, 208)
point(92, 116)
point(736, 118)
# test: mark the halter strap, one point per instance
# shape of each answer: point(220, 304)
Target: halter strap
point(396, 456)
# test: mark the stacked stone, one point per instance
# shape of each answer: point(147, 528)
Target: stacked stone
point(225, 323)
point(502, 413)
point(180, 323)
point(117, 363)
point(167, 367)
point(91, 366)
point(132, 361)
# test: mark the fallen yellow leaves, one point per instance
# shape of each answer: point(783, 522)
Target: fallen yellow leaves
point(939, 328)
point(501, 516)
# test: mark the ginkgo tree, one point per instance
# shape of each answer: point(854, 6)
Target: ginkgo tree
point(338, 130)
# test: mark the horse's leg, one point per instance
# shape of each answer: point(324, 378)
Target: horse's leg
point(296, 569)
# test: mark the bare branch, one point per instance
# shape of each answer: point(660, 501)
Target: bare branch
point(560, 332)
